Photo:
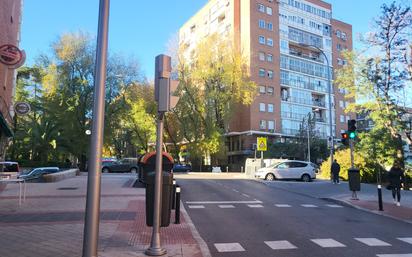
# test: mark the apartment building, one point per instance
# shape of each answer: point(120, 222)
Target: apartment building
point(293, 47)
point(10, 20)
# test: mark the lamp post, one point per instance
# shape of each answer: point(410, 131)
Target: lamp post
point(332, 143)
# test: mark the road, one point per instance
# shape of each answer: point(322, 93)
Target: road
point(249, 218)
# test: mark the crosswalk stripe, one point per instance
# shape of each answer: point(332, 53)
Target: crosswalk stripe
point(226, 206)
point(229, 247)
point(196, 206)
point(334, 206)
point(280, 245)
point(255, 205)
point(395, 255)
point(327, 243)
point(222, 202)
point(406, 239)
point(372, 242)
point(309, 205)
point(283, 205)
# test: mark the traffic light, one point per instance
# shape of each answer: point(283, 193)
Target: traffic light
point(165, 87)
point(345, 138)
point(352, 129)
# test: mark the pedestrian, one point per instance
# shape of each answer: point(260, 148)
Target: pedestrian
point(396, 178)
point(335, 169)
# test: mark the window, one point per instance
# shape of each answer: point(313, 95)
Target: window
point(270, 74)
point(271, 124)
point(339, 61)
point(297, 164)
point(269, 10)
point(269, 42)
point(262, 24)
point(338, 34)
point(343, 36)
point(269, 26)
point(270, 90)
point(262, 90)
point(261, 72)
point(261, 56)
point(261, 8)
point(270, 109)
point(262, 124)
point(341, 104)
point(261, 40)
point(262, 107)
point(339, 47)
point(269, 57)
point(347, 118)
point(342, 119)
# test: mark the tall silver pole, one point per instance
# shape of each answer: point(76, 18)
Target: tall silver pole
point(92, 217)
point(308, 139)
point(155, 248)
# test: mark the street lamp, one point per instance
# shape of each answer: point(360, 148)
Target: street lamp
point(332, 143)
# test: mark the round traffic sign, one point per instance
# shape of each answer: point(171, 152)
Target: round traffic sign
point(22, 108)
point(10, 54)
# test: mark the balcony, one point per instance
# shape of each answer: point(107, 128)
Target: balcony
point(312, 56)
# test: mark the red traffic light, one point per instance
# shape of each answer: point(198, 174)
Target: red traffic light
point(345, 135)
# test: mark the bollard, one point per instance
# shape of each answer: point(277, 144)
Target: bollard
point(227, 168)
point(174, 195)
point(177, 210)
point(380, 197)
point(241, 169)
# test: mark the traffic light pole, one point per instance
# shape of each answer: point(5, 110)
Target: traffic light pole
point(352, 164)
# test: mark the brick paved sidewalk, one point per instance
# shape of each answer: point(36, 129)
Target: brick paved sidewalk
point(50, 222)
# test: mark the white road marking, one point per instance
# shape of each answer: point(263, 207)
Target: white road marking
point(235, 190)
point(280, 245)
point(255, 205)
point(226, 206)
point(222, 202)
point(196, 206)
point(229, 247)
point(395, 255)
point(372, 242)
point(283, 205)
point(309, 205)
point(245, 195)
point(406, 239)
point(328, 242)
point(334, 205)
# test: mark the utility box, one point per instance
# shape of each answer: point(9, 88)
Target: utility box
point(166, 205)
point(354, 179)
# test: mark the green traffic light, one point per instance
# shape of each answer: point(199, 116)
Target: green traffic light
point(352, 135)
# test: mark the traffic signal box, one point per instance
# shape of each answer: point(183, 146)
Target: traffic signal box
point(345, 138)
point(352, 129)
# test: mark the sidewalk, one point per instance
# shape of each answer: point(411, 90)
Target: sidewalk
point(368, 197)
point(50, 222)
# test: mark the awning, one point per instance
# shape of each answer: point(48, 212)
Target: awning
point(5, 127)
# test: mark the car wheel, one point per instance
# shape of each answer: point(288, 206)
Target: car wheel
point(105, 170)
point(306, 178)
point(133, 170)
point(270, 177)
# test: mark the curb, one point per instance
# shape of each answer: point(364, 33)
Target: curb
point(202, 244)
point(348, 204)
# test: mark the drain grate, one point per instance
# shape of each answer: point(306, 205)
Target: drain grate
point(67, 188)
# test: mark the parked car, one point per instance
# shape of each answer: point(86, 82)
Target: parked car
point(37, 173)
point(182, 168)
point(9, 166)
point(124, 165)
point(305, 171)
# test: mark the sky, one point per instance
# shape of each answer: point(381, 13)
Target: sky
point(141, 28)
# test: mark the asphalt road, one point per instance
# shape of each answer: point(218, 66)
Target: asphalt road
point(247, 218)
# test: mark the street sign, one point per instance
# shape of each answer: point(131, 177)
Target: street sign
point(262, 144)
point(10, 55)
point(21, 108)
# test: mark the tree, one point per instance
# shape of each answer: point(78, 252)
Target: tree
point(375, 80)
point(211, 85)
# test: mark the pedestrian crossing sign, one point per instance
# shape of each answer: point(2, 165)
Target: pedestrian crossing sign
point(262, 144)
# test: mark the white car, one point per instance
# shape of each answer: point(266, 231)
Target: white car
point(305, 171)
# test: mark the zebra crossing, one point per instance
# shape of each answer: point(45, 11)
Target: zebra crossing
point(320, 242)
point(253, 204)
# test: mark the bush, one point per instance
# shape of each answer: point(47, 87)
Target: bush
point(368, 169)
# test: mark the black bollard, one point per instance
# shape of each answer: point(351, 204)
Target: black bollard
point(177, 210)
point(174, 195)
point(380, 197)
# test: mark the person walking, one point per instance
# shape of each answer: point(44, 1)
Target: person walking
point(396, 178)
point(335, 169)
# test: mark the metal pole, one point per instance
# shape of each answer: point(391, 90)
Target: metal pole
point(155, 248)
point(177, 211)
point(308, 139)
point(332, 142)
point(92, 216)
